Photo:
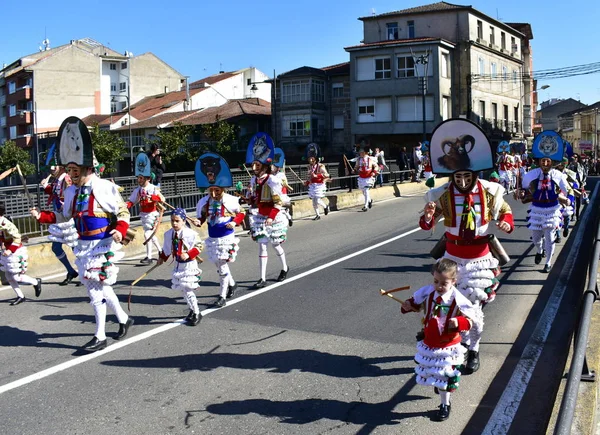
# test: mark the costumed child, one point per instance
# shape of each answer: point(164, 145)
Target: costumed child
point(468, 205)
point(548, 190)
point(446, 313)
point(505, 164)
point(222, 213)
point(149, 197)
point(367, 169)
point(13, 261)
point(278, 170)
point(61, 232)
point(183, 243)
point(318, 176)
point(267, 223)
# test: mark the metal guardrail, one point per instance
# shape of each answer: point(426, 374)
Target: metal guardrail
point(579, 370)
point(179, 189)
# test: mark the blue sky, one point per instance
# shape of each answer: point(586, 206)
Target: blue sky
point(198, 37)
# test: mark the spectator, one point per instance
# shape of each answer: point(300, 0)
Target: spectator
point(580, 171)
point(156, 164)
point(403, 164)
point(380, 156)
point(416, 158)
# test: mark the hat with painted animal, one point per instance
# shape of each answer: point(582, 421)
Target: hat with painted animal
point(75, 143)
point(548, 144)
point(260, 149)
point(459, 145)
point(278, 158)
point(142, 165)
point(312, 150)
point(212, 171)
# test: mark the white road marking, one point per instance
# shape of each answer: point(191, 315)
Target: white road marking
point(507, 407)
point(118, 345)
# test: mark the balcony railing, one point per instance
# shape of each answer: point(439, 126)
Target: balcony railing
point(23, 93)
point(495, 126)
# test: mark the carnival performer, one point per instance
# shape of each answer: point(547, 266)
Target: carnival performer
point(505, 164)
point(183, 243)
point(516, 174)
point(427, 170)
point(318, 176)
point(14, 259)
point(61, 232)
point(468, 205)
point(446, 313)
point(222, 213)
point(149, 198)
point(567, 210)
point(547, 189)
point(267, 223)
point(276, 171)
point(366, 168)
point(101, 219)
point(581, 173)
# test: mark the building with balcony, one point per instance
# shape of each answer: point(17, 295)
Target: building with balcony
point(581, 127)
point(38, 91)
point(477, 68)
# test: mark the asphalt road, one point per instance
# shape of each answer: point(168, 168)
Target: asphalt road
point(322, 352)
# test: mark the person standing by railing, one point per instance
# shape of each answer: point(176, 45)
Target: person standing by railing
point(156, 164)
point(380, 157)
point(318, 176)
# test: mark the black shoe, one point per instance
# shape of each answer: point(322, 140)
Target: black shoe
point(290, 222)
point(436, 390)
point(538, 258)
point(316, 218)
point(364, 209)
point(189, 316)
point(546, 269)
point(69, 278)
point(18, 301)
point(38, 288)
point(557, 239)
point(371, 204)
point(283, 275)
point(260, 284)
point(220, 302)
point(195, 319)
point(326, 210)
point(94, 344)
point(123, 328)
point(231, 291)
point(543, 253)
point(472, 362)
point(146, 260)
point(443, 413)
point(566, 231)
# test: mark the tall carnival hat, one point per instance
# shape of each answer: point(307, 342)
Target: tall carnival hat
point(51, 158)
point(212, 171)
point(503, 147)
point(568, 149)
point(278, 158)
point(313, 150)
point(424, 146)
point(459, 145)
point(142, 165)
point(75, 143)
point(548, 144)
point(260, 149)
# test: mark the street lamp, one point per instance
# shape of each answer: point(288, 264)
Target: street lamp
point(36, 149)
point(128, 124)
point(421, 65)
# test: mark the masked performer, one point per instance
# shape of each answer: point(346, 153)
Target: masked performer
point(222, 213)
point(278, 171)
point(267, 223)
point(459, 148)
point(366, 168)
point(505, 164)
point(101, 219)
point(318, 176)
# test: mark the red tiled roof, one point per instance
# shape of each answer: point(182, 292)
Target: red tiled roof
point(397, 41)
point(434, 7)
point(162, 120)
point(211, 80)
point(101, 120)
point(155, 104)
point(232, 109)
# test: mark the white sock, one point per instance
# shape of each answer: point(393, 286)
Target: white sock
point(445, 397)
point(156, 244)
point(100, 313)
point(262, 260)
point(27, 280)
point(113, 303)
point(149, 244)
point(281, 254)
point(190, 298)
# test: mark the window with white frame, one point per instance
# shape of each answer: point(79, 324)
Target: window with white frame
point(318, 91)
point(445, 65)
point(374, 109)
point(295, 91)
point(481, 66)
point(366, 106)
point(479, 29)
point(123, 105)
point(337, 90)
point(338, 122)
point(411, 108)
point(296, 125)
point(122, 86)
point(513, 45)
point(405, 66)
point(12, 87)
point(504, 73)
point(482, 109)
point(113, 86)
point(411, 29)
point(123, 65)
point(12, 132)
point(392, 31)
point(383, 69)
point(12, 110)
point(492, 35)
point(503, 40)
point(113, 66)
point(113, 107)
point(493, 70)
point(445, 108)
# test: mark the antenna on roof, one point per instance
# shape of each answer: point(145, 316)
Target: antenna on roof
point(373, 13)
point(45, 45)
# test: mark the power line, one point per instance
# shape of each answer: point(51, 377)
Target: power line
point(547, 74)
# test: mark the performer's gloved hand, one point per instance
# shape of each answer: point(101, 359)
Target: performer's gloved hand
point(184, 256)
point(504, 226)
point(129, 204)
point(196, 222)
point(407, 306)
point(429, 210)
point(117, 237)
point(269, 222)
point(35, 213)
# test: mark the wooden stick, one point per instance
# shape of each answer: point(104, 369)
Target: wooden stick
point(247, 171)
point(384, 292)
point(145, 274)
point(391, 296)
point(297, 176)
point(173, 208)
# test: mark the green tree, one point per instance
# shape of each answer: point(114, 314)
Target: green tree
point(173, 142)
point(108, 147)
point(221, 134)
point(11, 155)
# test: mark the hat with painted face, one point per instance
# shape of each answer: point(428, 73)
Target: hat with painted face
point(212, 171)
point(503, 147)
point(312, 150)
point(459, 145)
point(142, 165)
point(278, 158)
point(424, 146)
point(260, 149)
point(548, 144)
point(75, 143)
